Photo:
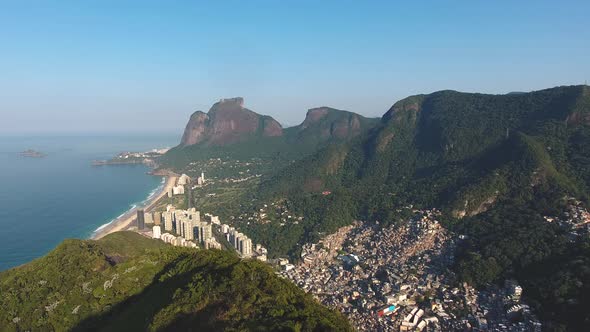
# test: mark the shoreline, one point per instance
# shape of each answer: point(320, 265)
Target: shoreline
point(126, 220)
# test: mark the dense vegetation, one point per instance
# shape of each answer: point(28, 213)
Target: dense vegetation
point(125, 282)
point(495, 164)
point(295, 143)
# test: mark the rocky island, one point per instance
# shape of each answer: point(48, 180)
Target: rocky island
point(30, 153)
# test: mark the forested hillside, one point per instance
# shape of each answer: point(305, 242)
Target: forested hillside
point(322, 126)
point(125, 282)
point(495, 164)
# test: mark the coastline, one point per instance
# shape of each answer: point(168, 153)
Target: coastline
point(125, 220)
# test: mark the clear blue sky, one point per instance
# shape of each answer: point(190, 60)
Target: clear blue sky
point(96, 66)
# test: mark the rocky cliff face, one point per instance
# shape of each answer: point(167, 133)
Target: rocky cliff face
point(327, 123)
point(228, 122)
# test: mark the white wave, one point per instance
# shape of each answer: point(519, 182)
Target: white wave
point(134, 206)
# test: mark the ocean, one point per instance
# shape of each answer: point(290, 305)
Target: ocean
point(46, 200)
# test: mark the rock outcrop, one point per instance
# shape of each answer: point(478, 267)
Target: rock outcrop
point(329, 123)
point(227, 122)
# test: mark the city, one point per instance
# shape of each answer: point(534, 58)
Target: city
point(382, 277)
point(295, 166)
point(186, 228)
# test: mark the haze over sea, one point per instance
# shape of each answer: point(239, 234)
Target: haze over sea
point(46, 200)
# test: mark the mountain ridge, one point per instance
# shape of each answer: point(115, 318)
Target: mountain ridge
point(126, 282)
point(231, 130)
point(227, 122)
point(496, 165)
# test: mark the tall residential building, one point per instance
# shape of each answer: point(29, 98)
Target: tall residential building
point(178, 190)
point(176, 220)
point(149, 218)
point(184, 179)
point(187, 229)
point(167, 221)
point(245, 247)
point(201, 179)
point(140, 219)
point(205, 231)
point(195, 215)
point(156, 232)
point(157, 218)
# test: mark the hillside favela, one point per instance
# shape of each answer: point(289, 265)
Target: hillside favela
point(295, 166)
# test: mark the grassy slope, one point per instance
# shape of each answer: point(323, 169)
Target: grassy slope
point(154, 287)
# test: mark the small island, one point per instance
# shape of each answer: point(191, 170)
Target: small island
point(30, 153)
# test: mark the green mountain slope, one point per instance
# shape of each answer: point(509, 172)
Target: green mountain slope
point(125, 282)
point(495, 165)
point(322, 126)
point(448, 148)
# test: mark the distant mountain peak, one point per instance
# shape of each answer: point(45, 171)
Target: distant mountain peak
point(333, 123)
point(228, 121)
point(316, 114)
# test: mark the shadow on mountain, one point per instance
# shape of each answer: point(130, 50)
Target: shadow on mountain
point(136, 313)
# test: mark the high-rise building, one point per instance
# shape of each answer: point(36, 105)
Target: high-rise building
point(140, 219)
point(176, 220)
point(184, 179)
point(157, 218)
point(187, 229)
point(149, 218)
point(156, 232)
point(167, 221)
point(195, 216)
point(178, 190)
point(246, 247)
point(234, 238)
point(205, 231)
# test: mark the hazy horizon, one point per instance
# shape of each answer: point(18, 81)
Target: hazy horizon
point(108, 67)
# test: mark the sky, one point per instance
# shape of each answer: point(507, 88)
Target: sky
point(145, 66)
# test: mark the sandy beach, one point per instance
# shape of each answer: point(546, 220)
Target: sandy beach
point(126, 220)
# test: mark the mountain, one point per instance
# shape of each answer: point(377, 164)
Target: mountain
point(228, 122)
point(497, 166)
point(230, 130)
point(329, 124)
point(125, 282)
point(455, 141)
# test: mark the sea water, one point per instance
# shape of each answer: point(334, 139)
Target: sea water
point(46, 200)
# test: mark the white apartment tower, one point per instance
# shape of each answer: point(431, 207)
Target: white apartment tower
point(156, 232)
point(167, 221)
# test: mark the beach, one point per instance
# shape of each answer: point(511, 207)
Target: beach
point(126, 220)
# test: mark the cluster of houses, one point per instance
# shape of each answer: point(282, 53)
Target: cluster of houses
point(397, 278)
point(576, 219)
